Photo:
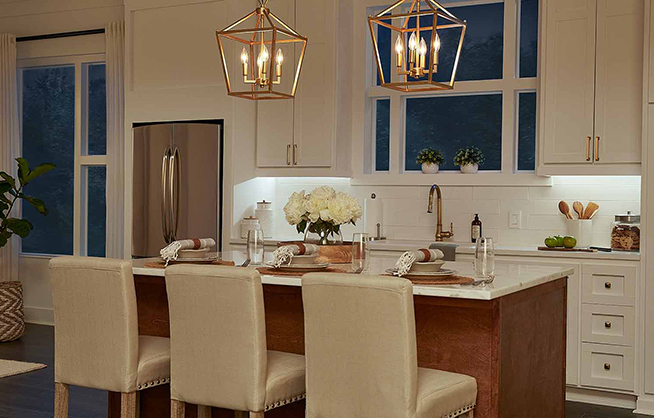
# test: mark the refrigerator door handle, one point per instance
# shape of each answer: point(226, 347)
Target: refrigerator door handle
point(165, 169)
point(175, 190)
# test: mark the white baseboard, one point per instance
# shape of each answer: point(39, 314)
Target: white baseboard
point(645, 405)
point(596, 397)
point(40, 316)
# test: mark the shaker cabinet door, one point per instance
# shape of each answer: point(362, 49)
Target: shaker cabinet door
point(569, 81)
point(619, 86)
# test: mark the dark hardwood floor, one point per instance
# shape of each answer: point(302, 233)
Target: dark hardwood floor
point(31, 395)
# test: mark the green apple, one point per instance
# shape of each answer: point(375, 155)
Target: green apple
point(551, 242)
point(569, 242)
point(559, 240)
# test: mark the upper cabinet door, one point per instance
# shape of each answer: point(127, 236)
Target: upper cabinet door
point(619, 86)
point(569, 81)
point(315, 118)
point(275, 117)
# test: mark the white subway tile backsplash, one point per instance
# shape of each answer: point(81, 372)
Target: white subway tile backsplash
point(406, 217)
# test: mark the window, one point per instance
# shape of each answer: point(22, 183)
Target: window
point(62, 104)
point(493, 104)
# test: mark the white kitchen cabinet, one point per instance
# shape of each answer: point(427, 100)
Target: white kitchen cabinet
point(592, 87)
point(301, 133)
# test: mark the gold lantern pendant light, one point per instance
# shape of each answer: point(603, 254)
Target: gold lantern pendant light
point(412, 72)
point(260, 39)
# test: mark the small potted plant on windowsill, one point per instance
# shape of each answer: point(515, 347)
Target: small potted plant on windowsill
point(469, 159)
point(430, 160)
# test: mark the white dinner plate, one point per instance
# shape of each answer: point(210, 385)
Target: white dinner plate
point(442, 274)
point(208, 259)
point(301, 267)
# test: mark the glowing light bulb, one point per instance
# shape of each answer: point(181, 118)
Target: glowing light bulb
point(437, 43)
point(264, 56)
point(279, 57)
point(245, 57)
point(399, 45)
point(423, 52)
point(413, 42)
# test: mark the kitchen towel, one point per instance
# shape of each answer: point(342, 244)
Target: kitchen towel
point(285, 254)
point(170, 251)
point(422, 255)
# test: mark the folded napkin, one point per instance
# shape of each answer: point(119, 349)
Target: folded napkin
point(284, 255)
point(170, 251)
point(422, 255)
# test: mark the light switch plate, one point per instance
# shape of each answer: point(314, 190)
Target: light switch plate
point(515, 220)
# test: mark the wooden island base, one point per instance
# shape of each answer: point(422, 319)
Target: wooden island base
point(513, 345)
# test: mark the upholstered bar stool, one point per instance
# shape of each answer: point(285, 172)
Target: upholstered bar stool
point(360, 348)
point(218, 343)
point(96, 333)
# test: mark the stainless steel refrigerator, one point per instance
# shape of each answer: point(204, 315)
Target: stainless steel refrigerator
point(177, 184)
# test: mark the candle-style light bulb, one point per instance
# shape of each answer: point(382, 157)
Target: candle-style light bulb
point(413, 42)
point(279, 58)
point(264, 55)
point(423, 52)
point(262, 59)
point(399, 49)
point(437, 48)
point(245, 57)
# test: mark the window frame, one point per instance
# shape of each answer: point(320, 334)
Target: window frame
point(509, 86)
point(81, 161)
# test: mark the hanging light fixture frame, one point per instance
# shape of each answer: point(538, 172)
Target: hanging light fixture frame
point(415, 76)
point(263, 75)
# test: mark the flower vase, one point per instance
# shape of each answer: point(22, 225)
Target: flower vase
point(430, 168)
point(470, 168)
point(323, 237)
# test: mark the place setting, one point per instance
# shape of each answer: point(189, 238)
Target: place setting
point(296, 260)
point(189, 251)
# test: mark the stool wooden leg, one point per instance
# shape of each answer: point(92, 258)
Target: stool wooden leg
point(128, 405)
point(204, 411)
point(256, 415)
point(241, 414)
point(471, 414)
point(61, 401)
point(178, 409)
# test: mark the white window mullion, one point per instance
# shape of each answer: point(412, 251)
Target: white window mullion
point(510, 72)
point(77, 201)
point(395, 134)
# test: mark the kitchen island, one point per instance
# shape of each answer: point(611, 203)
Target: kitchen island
point(509, 335)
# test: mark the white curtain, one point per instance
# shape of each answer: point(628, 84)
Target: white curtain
point(9, 146)
point(115, 46)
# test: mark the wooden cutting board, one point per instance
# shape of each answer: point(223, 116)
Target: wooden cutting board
point(582, 250)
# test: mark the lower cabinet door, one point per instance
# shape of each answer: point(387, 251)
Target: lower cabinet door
point(607, 367)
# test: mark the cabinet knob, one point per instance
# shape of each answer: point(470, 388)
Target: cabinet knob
point(607, 285)
point(607, 366)
point(607, 324)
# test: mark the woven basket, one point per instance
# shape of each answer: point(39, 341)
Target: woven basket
point(12, 318)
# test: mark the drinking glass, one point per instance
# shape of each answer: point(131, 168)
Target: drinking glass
point(255, 251)
point(361, 252)
point(484, 258)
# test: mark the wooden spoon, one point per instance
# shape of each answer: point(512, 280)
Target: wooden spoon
point(579, 209)
point(565, 209)
point(591, 210)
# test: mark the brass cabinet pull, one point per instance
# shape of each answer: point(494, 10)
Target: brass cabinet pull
point(607, 285)
point(288, 154)
point(295, 154)
point(597, 153)
point(607, 366)
point(588, 140)
point(607, 324)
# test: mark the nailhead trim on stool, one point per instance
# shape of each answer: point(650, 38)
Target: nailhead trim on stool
point(153, 383)
point(285, 402)
point(460, 412)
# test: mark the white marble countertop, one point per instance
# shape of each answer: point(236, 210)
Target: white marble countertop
point(509, 277)
point(393, 245)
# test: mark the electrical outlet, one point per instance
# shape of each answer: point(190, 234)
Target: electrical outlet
point(515, 220)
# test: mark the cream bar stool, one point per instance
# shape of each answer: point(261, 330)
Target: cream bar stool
point(96, 333)
point(360, 346)
point(218, 343)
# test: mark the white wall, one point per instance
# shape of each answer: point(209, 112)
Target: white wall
point(406, 217)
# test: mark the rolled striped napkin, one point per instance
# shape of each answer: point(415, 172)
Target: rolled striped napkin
point(407, 259)
point(284, 255)
point(169, 252)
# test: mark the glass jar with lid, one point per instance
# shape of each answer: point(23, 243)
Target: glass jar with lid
point(625, 232)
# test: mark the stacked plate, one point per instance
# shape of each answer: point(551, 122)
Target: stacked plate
point(430, 270)
point(303, 263)
point(196, 256)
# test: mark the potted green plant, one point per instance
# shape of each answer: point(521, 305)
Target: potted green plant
point(12, 323)
point(469, 159)
point(430, 159)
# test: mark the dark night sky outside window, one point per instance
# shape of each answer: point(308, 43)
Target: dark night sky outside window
point(48, 136)
point(383, 135)
point(528, 38)
point(97, 102)
point(97, 211)
point(527, 131)
point(454, 122)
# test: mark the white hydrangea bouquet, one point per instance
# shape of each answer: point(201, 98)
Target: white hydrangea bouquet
point(322, 212)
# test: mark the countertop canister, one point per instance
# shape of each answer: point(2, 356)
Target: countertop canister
point(264, 212)
point(247, 224)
